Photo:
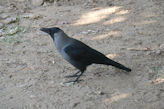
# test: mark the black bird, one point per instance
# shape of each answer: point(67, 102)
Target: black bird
point(77, 53)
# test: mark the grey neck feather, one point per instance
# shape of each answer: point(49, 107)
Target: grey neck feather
point(60, 40)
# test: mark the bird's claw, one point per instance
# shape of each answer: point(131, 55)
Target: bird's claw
point(69, 82)
point(72, 81)
point(74, 75)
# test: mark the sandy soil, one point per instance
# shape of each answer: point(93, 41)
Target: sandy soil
point(128, 31)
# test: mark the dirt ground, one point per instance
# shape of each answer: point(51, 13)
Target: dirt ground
point(128, 31)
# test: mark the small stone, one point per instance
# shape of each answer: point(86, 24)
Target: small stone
point(1, 25)
point(64, 22)
point(13, 31)
point(56, 3)
point(100, 93)
point(1, 37)
point(73, 105)
point(51, 82)
point(10, 76)
point(66, 84)
point(161, 47)
point(11, 97)
point(10, 20)
point(31, 16)
point(158, 52)
point(37, 2)
point(1, 33)
point(4, 16)
point(109, 3)
point(32, 96)
point(45, 4)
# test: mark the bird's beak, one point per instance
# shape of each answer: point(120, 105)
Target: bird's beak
point(46, 30)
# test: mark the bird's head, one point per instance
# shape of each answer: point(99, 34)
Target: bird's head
point(51, 31)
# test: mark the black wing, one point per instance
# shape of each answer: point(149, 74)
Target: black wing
point(76, 52)
point(84, 54)
point(79, 52)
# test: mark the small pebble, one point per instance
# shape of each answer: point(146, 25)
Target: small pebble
point(158, 52)
point(37, 2)
point(100, 93)
point(66, 84)
point(64, 22)
point(11, 97)
point(161, 47)
point(4, 16)
point(73, 105)
point(1, 32)
point(13, 31)
point(51, 82)
point(10, 76)
point(10, 20)
point(31, 16)
point(1, 37)
point(1, 25)
point(32, 96)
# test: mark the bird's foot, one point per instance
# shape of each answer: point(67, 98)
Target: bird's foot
point(74, 81)
point(74, 75)
point(71, 76)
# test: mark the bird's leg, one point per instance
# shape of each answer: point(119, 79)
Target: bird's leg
point(74, 75)
point(77, 78)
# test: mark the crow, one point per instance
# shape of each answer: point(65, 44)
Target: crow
point(77, 53)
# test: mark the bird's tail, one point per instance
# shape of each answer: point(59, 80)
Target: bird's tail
point(115, 64)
